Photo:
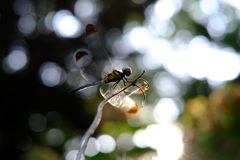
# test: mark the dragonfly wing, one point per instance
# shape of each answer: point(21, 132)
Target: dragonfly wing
point(140, 87)
point(99, 54)
point(95, 62)
point(88, 68)
point(121, 101)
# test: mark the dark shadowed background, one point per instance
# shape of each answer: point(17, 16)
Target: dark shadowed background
point(189, 49)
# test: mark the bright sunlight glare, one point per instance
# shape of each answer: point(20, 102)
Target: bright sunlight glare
point(165, 9)
point(86, 9)
point(107, 143)
point(209, 6)
point(234, 3)
point(22, 7)
point(217, 25)
point(16, 60)
point(176, 66)
point(93, 147)
point(140, 38)
point(157, 53)
point(139, 138)
point(166, 85)
point(66, 25)
point(51, 74)
point(72, 155)
point(188, 56)
point(166, 139)
point(200, 59)
point(166, 111)
point(26, 24)
point(125, 142)
point(211, 63)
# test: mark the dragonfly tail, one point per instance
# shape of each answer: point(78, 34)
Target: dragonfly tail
point(86, 86)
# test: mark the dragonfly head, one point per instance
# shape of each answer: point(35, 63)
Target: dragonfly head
point(127, 71)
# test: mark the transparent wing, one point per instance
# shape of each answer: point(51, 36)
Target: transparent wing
point(88, 69)
point(93, 62)
point(100, 63)
point(140, 87)
point(121, 101)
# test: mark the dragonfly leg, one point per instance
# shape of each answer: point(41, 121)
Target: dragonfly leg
point(126, 80)
point(146, 85)
point(115, 84)
point(144, 95)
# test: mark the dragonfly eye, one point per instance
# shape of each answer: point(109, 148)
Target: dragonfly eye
point(127, 71)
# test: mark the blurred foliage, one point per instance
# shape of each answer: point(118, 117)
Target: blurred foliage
point(40, 153)
point(211, 118)
point(212, 123)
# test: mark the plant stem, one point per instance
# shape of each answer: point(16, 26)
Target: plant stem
point(98, 117)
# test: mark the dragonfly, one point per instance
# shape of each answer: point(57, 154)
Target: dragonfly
point(123, 101)
point(96, 66)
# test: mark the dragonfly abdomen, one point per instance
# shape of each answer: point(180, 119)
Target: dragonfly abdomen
point(86, 86)
point(113, 76)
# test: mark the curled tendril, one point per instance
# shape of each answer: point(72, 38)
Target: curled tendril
point(98, 117)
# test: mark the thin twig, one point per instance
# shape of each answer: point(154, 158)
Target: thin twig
point(97, 119)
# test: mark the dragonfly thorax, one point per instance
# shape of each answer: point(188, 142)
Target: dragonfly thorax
point(113, 76)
